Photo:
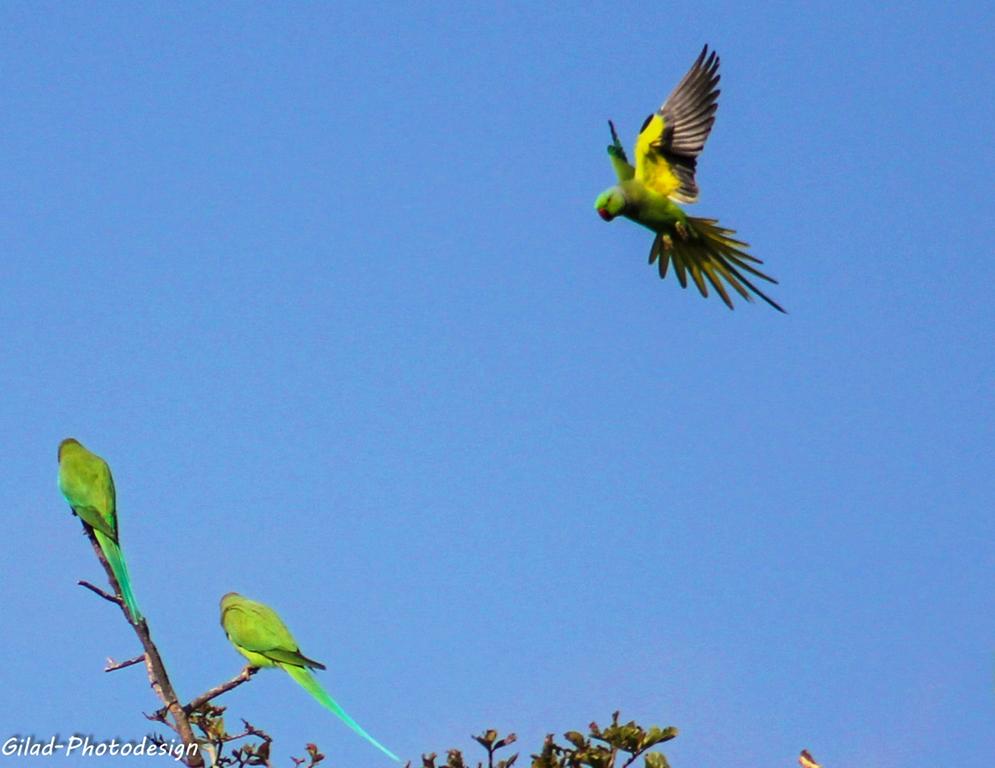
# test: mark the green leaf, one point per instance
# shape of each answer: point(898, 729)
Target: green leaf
point(657, 735)
point(576, 738)
point(487, 738)
point(509, 739)
point(668, 733)
point(656, 760)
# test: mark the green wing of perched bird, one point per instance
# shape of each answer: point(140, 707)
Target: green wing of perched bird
point(261, 637)
point(666, 156)
point(85, 480)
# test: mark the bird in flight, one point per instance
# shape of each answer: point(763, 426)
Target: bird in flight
point(666, 154)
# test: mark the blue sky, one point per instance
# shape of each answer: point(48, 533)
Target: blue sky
point(325, 286)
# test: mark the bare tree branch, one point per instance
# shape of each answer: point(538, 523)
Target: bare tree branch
point(154, 666)
point(113, 666)
point(242, 677)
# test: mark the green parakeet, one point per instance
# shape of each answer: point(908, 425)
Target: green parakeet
point(85, 480)
point(666, 153)
point(261, 636)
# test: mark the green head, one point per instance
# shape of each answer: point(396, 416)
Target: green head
point(69, 441)
point(610, 203)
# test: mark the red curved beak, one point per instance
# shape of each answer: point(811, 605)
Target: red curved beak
point(604, 214)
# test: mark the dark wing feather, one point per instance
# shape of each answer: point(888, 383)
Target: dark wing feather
point(688, 115)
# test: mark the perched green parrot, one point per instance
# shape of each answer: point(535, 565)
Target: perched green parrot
point(261, 636)
point(85, 480)
point(666, 153)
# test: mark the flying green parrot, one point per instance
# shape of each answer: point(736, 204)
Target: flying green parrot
point(261, 636)
point(85, 480)
point(666, 153)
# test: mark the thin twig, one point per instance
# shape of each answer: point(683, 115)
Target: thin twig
point(242, 677)
point(98, 591)
point(113, 666)
point(250, 730)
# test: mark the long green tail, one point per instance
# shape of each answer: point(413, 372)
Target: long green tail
point(309, 684)
point(116, 560)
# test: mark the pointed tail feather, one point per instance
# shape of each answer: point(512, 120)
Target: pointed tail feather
point(115, 558)
point(709, 253)
point(306, 680)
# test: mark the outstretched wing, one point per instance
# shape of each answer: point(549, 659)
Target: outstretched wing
point(671, 139)
point(710, 253)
